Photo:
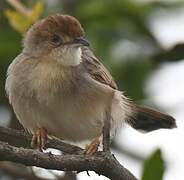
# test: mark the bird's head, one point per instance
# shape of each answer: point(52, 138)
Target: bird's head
point(59, 37)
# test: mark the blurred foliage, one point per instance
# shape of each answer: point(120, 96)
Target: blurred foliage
point(154, 167)
point(21, 22)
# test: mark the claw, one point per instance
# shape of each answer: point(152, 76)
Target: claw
point(92, 148)
point(39, 139)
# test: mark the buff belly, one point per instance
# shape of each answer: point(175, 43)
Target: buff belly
point(72, 109)
point(71, 117)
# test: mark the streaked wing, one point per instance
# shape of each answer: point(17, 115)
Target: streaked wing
point(96, 69)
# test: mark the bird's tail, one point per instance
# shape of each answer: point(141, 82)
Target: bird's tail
point(147, 119)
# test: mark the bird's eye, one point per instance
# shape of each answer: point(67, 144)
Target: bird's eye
point(56, 40)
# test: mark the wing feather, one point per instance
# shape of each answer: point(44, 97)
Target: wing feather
point(96, 69)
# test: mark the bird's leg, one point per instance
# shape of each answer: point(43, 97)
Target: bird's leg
point(92, 148)
point(39, 139)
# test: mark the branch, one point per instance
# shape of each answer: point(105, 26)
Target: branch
point(23, 139)
point(111, 168)
point(103, 163)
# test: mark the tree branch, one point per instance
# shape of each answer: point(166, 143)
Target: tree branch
point(23, 139)
point(111, 168)
point(102, 163)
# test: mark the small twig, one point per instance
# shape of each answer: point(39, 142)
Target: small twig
point(19, 7)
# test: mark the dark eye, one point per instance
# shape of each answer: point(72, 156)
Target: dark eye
point(56, 40)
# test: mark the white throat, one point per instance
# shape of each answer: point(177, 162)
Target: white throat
point(67, 55)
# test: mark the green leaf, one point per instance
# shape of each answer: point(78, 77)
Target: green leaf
point(154, 167)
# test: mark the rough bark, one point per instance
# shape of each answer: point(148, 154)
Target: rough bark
point(103, 163)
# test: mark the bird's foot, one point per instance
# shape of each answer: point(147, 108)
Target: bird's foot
point(92, 148)
point(39, 139)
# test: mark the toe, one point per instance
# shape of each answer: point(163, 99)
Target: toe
point(92, 148)
point(39, 139)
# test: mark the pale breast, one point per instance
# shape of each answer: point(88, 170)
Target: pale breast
point(70, 107)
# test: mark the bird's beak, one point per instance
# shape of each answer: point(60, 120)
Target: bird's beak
point(81, 41)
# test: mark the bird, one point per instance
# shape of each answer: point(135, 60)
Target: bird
point(59, 88)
